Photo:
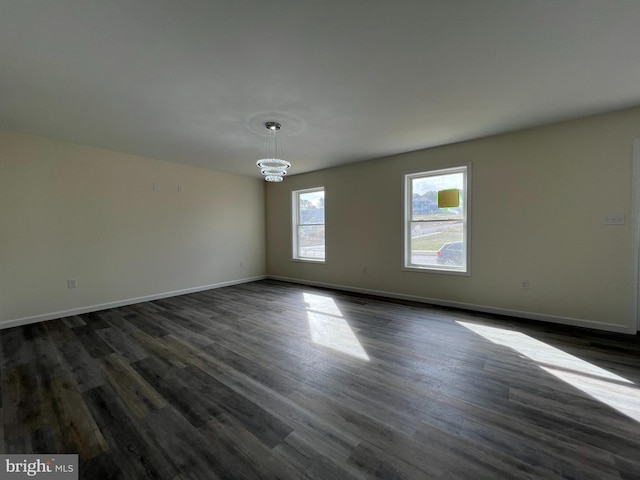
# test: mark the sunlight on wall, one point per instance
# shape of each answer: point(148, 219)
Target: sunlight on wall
point(606, 387)
point(329, 328)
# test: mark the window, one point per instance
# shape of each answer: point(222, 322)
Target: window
point(308, 224)
point(436, 217)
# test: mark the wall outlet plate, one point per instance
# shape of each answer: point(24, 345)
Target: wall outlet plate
point(613, 219)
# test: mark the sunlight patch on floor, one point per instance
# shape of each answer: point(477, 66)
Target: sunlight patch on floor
point(606, 387)
point(328, 327)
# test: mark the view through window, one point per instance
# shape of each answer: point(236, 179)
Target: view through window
point(308, 224)
point(436, 234)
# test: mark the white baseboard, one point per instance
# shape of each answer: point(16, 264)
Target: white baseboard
point(574, 322)
point(120, 303)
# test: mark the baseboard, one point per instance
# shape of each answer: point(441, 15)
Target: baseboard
point(121, 303)
point(573, 322)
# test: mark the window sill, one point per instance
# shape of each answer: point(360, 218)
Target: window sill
point(437, 270)
point(308, 260)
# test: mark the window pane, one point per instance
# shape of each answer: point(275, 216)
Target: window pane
point(311, 241)
point(424, 205)
point(311, 206)
point(436, 244)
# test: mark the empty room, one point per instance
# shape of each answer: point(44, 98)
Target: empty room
point(319, 240)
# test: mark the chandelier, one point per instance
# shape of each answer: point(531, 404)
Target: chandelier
point(273, 166)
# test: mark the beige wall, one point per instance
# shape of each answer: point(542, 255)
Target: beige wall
point(72, 212)
point(538, 200)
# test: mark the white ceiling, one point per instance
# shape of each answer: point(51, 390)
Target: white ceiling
point(193, 81)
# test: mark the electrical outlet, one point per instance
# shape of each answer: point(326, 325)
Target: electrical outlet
point(72, 283)
point(524, 285)
point(613, 219)
point(156, 186)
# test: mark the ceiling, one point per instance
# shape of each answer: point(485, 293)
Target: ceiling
point(193, 81)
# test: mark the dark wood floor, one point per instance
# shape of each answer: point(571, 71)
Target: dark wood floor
point(246, 382)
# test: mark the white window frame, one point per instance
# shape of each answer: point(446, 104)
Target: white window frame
point(295, 224)
point(465, 169)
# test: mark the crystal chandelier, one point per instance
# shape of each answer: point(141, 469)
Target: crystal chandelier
point(273, 166)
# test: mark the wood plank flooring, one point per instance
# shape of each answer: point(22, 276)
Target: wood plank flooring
point(273, 380)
